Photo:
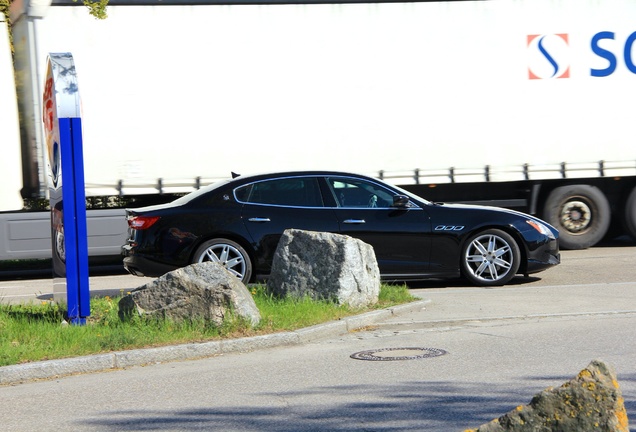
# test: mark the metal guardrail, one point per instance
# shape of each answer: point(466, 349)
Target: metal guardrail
point(159, 186)
point(522, 172)
point(487, 173)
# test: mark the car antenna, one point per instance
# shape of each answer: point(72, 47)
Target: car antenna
point(234, 175)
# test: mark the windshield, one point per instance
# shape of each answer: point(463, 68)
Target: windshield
point(411, 195)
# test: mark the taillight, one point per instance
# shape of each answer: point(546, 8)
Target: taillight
point(142, 222)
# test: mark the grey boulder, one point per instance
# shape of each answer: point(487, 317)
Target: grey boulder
point(327, 266)
point(205, 291)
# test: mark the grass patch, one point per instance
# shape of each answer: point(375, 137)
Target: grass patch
point(36, 332)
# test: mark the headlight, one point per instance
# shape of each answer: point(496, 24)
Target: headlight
point(541, 228)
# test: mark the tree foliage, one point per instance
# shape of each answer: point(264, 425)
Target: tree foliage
point(4, 7)
point(96, 8)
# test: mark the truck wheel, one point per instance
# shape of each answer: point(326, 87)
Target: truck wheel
point(230, 254)
point(581, 213)
point(490, 257)
point(630, 214)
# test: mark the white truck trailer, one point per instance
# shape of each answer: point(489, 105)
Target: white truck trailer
point(517, 103)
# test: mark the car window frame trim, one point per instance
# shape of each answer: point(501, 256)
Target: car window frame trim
point(318, 177)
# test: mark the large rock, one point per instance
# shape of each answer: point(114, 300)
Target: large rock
point(590, 402)
point(325, 266)
point(200, 291)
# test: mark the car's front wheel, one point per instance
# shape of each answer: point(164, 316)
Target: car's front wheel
point(490, 257)
point(229, 254)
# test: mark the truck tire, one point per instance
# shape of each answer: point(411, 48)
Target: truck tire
point(581, 213)
point(630, 214)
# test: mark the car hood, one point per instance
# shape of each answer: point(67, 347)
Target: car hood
point(492, 209)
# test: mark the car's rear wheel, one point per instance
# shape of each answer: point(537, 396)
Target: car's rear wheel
point(490, 257)
point(230, 254)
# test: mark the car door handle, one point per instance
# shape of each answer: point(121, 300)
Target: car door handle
point(354, 221)
point(259, 219)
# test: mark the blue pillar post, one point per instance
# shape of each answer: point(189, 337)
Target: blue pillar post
point(63, 129)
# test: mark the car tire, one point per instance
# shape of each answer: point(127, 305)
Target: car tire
point(229, 254)
point(581, 213)
point(490, 257)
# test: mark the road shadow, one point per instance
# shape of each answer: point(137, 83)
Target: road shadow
point(406, 406)
point(113, 293)
point(463, 283)
point(620, 241)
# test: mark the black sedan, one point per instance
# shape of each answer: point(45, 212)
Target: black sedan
point(239, 222)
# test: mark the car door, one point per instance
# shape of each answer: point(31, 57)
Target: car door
point(271, 206)
point(400, 236)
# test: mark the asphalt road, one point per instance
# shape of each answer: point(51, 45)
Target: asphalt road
point(500, 347)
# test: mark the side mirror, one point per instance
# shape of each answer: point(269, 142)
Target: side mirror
point(401, 201)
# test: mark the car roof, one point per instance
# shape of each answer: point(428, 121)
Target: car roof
point(244, 179)
point(260, 175)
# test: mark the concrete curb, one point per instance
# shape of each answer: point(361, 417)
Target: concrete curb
point(51, 369)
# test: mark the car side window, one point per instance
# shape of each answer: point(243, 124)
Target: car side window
point(292, 191)
point(356, 193)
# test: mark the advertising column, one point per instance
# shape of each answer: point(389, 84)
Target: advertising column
point(63, 130)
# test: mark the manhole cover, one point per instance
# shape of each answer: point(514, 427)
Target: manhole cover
point(389, 354)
